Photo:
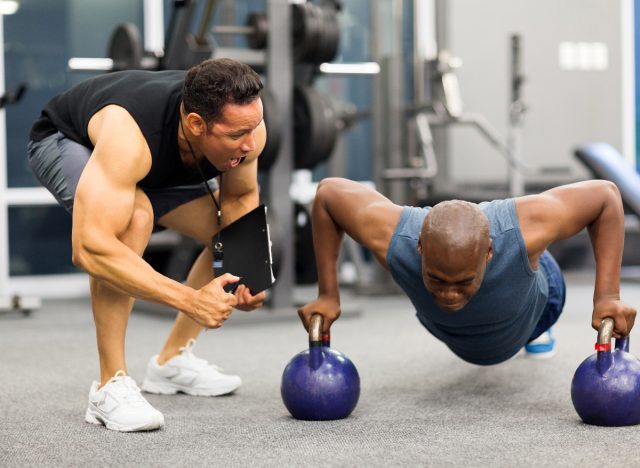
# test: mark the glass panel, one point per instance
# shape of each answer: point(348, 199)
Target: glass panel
point(39, 40)
point(355, 46)
point(39, 241)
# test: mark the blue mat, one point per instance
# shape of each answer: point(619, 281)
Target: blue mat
point(605, 162)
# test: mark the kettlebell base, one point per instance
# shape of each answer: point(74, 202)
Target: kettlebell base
point(331, 418)
point(610, 424)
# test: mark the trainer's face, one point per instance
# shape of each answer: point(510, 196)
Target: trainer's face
point(452, 278)
point(230, 139)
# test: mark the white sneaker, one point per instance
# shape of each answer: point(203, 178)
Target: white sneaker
point(120, 406)
point(188, 374)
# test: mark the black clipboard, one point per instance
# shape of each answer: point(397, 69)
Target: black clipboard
point(247, 250)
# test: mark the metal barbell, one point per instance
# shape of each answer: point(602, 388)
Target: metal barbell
point(315, 32)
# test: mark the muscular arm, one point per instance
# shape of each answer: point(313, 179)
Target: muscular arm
point(103, 209)
point(564, 211)
point(343, 206)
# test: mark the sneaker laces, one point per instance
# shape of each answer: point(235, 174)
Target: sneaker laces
point(199, 363)
point(124, 386)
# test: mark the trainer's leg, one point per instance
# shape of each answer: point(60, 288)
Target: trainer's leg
point(184, 328)
point(194, 219)
point(111, 307)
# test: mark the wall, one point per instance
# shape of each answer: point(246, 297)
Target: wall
point(38, 41)
point(569, 106)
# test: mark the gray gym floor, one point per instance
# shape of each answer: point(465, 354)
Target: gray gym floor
point(419, 405)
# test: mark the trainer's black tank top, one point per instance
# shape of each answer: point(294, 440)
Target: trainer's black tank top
point(153, 100)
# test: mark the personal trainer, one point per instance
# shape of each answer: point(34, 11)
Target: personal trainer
point(133, 152)
point(479, 275)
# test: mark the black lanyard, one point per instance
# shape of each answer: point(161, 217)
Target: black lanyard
point(217, 244)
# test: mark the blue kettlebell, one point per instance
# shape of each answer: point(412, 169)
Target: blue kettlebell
point(606, 387)
point(320, 383)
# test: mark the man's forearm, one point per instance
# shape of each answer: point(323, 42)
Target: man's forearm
point(327, 238)
point(121, 267)
point(607, 238)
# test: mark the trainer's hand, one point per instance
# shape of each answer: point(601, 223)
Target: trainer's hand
point(213, 304)
point(246, 301)
point(328, 307)
point(622, 314)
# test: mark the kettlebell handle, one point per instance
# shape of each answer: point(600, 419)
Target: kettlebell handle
point(605, 332)
point(316, 337)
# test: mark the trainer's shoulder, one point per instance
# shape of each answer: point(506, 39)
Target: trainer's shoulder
point(114, 126)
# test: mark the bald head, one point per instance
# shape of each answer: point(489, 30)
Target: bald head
point(456, 226)
point(455, 246)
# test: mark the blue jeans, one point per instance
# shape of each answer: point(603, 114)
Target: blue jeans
point(557, 295)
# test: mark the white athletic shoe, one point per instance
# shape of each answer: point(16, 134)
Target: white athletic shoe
point(188, 374)
point(120, 406)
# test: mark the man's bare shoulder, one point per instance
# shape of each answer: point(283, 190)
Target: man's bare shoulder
point(112, 121)
point(119, 142)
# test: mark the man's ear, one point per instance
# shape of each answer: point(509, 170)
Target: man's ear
point(490, 251)
point(420, 245)
point(197, 125)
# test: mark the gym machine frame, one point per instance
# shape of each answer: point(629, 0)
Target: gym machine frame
point(14, 302)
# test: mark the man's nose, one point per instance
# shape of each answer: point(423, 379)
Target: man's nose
point(249, 143)
point(449, 292)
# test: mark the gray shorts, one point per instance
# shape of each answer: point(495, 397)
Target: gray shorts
point(57, 163)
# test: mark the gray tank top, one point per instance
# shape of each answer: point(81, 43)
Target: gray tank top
point(501, 316)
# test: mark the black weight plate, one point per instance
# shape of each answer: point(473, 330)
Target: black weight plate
point(299, 30)
point(305, 259)
point(331, 33)
point(125, 47)
point(315, 129)
point(273, 124)
point(306, 30)
point(257, 40)
point(321, 43)
point(302, 129)
point(316, 18)
point(330, 128)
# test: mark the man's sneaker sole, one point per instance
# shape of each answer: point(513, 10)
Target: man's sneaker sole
point(95, 417)
point(170, 388)
point(541, 356)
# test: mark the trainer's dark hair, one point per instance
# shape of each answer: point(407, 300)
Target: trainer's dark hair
point(213, 83)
